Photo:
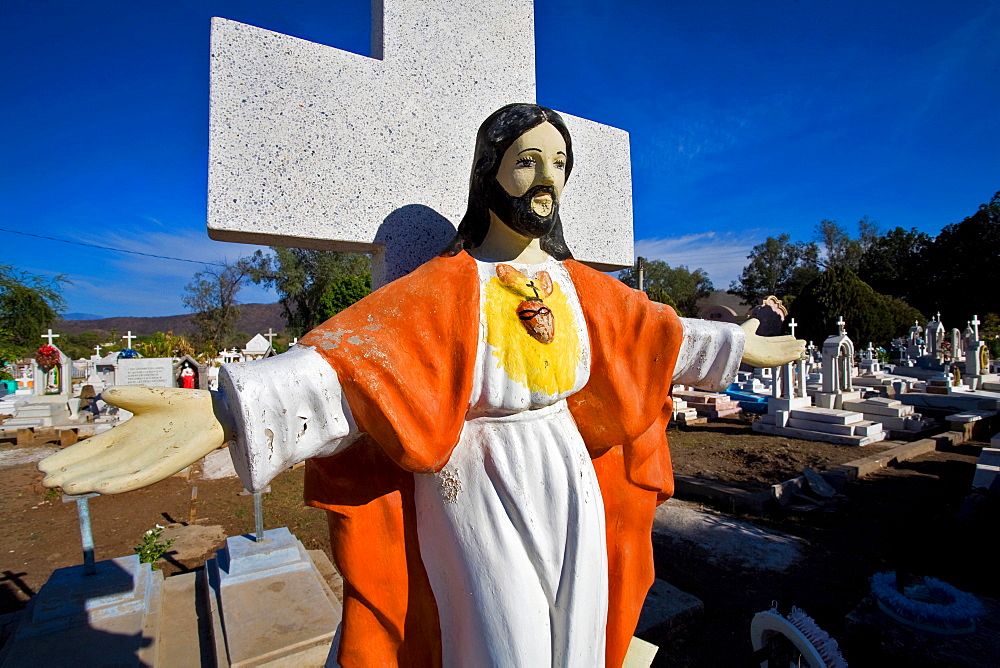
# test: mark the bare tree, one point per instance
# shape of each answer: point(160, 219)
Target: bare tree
point(212, 298)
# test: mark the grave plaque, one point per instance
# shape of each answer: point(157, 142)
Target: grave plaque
point(150, 371)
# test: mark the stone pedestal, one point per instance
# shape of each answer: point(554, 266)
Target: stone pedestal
point(269, 603)
point(110, 617)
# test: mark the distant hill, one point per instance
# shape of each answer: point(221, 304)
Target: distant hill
point(81, 316)
point(254, 318)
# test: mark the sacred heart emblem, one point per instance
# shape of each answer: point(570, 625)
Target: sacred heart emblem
point(536, 317)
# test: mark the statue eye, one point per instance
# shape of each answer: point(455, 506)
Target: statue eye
point(560, 164)
point(525, 162)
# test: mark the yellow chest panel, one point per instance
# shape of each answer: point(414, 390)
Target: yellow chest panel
point(548, 368)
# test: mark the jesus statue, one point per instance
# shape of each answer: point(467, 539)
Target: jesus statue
point(486, 433)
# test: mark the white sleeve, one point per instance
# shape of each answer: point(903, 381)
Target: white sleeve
point(285, 409)
point(710, 354)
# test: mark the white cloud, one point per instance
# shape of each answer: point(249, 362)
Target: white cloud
point(723, 256)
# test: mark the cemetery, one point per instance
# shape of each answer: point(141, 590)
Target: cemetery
point(557, 470)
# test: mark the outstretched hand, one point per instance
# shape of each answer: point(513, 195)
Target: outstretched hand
point(769, 351)
point(170, 429)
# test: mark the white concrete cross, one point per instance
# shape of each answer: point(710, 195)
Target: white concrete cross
point(97, 349)
point(792, 325)
point(938, 317)
point(314, 147)
point(840, 325)
point(270, 335)
point(50, 336)
point(128, 338)
point(975, 327)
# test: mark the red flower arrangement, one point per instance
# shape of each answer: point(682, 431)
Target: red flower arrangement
point(47, 356)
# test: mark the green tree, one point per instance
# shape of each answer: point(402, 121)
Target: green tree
point(777, 267)
point(870, 316)
point(841, 249)
point(211, 295)
point(894, 263)
point(303, 278)
point(901, 315)
point(80, 344)
point(29, 303)
point(962, 265)
point(164, 344)
point(344, 291)
point(679, 287)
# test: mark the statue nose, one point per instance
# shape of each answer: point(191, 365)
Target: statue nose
point(545, 176)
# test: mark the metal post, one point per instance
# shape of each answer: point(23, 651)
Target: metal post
point(86, 537)
point(258, 515)
point(640, 264)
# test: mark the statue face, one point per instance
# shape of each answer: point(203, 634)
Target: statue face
point(530, 179)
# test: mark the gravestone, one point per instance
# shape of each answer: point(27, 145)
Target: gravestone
point(56, 379)
point(771, 313)
point(838, 370)
point(149, 371)
point(258, 348)
point(314, 147)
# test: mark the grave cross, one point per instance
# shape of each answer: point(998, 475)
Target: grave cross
point(97, 349)
point(792, 325)
point(840, 325)
point(270, 335)
point(975, 327)
point(50, 336)
point(128, 338)
point(314, 147)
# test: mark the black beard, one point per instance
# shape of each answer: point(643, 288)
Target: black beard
point(517, 214)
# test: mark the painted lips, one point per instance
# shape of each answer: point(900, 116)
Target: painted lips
point(541, 204)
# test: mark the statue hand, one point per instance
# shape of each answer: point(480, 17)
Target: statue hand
point(170, 429)
point(768, 351)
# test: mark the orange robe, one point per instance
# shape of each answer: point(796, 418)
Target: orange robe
point(405, 356)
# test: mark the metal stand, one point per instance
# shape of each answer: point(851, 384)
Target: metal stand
point(86, 537)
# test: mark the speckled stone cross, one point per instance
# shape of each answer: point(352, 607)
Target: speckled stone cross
point(315, 147)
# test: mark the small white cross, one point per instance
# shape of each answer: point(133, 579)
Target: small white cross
point(270, 335)
point(841, 324)
point(97, 349)
point(938, 317)
point(975, 327)
point(50, 336)
point(792, 325)
point(128, 337)
point(294, 341)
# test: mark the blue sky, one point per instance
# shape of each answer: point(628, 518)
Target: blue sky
point(747, 119)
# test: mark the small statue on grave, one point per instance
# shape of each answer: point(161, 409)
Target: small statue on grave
point(187, 376)
point(487, 433)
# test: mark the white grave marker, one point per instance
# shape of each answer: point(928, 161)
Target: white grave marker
point(314, 147)
point(149, 371)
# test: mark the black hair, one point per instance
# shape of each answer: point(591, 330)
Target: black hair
point(495, 136)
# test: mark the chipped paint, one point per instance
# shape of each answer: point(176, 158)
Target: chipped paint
point(451, 484)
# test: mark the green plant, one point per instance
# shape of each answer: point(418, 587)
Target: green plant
point(152, 546)
point(52, 493)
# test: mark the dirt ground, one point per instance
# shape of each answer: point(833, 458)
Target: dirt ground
point(726, 450)
point(915, 516)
